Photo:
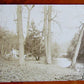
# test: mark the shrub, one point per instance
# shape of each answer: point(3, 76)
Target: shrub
point(34, 43)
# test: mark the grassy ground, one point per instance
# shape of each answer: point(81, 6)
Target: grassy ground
point(35, 71)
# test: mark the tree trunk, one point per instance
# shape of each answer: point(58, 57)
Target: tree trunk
point(2, 50)
point(28, 20)
point(28, 23)
point(77, 48)
point(49, 35)
point(45, 31)
point(20, 34)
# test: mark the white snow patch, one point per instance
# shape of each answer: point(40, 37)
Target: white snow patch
point(63, 62)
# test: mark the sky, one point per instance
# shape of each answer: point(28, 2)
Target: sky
point(69, 18)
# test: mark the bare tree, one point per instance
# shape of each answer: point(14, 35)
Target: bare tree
point(49, 35)
point(28, 20)
point(77, 48)
point(45, 30)
point(20, 34)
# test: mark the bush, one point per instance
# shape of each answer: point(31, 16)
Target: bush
point(7, 42)
point(34, 43)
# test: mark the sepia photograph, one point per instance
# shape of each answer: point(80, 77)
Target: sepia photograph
point(41, 43)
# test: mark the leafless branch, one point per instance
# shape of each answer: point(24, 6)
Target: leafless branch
point(27, 7)
point(32, 7)
point(54, 16)
point(57, 24)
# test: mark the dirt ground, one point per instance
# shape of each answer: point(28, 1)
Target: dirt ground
point(36, 71)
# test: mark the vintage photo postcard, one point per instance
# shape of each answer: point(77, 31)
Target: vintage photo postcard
point(41, 43)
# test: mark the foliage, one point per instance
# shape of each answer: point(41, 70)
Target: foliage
point(55, 49)
point(7, 42)
point(81, 51)
point(34, 42)
point(72, 47)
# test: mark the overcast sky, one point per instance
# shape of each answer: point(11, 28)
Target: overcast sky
point(68, 16)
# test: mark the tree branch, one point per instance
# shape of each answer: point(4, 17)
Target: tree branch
point(54, 17)
point(32, 7)
point(57, 24)
point(27, 7)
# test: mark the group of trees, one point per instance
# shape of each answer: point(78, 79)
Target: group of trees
point(7, 42)
point(81, 51)
point(37, 42)
point(47, 33)
point(72, 47)
point(76, 47)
